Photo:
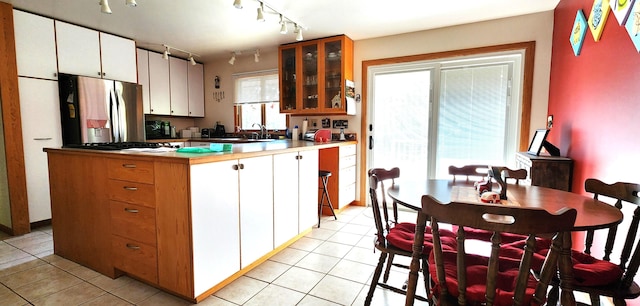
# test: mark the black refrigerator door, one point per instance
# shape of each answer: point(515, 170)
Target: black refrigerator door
point(69, 109)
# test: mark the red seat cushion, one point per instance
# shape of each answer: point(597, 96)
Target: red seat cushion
point(590, 271)
point(587, 270)
point(477, 279)
point(402, 235)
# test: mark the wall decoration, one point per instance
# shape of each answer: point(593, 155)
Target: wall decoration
point(621, 9)
point(578, 32)
point(598, 17)
point(633, 25)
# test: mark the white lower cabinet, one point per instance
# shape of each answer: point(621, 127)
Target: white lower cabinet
point(256, 208)
point(40, 112)
point(295, 208)
point(215, 223)
point(308, 190)
point(232, 217)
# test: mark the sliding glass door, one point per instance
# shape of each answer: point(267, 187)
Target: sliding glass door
point(400, 120)
point(426, 116)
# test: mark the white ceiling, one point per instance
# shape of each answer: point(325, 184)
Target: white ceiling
point(215, 28)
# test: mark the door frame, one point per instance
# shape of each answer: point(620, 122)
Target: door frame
point(527, 92)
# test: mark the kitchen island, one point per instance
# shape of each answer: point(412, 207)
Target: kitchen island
point(187, 223)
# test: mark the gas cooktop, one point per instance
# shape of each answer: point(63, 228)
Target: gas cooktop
point(112, 146)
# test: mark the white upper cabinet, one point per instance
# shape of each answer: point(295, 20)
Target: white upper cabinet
point(196, 90)
point(118, 58)
point(159, 93)
point(88, 52)
point(35, 39)
point(179, 87)
point(78, 50)
point(143, 79)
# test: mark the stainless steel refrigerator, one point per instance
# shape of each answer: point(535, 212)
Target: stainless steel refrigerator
point(97, 110)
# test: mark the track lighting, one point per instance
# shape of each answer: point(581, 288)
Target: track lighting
point(256, 56)
point(233, 58)
point(131, 3)
point(264, 7)
point(260, 14)
point(104, 7)
point(167, 52)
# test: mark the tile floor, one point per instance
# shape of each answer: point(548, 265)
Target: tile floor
point(332, 265)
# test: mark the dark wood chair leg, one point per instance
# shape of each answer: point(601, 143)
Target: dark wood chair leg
point(385, 278)
point(375, 278)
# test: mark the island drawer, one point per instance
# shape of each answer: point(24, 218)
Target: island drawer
point(135, 258)
point(131, 192)
point(133, 221)
point(130, 170)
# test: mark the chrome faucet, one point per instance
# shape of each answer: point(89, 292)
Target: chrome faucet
point(264, 134)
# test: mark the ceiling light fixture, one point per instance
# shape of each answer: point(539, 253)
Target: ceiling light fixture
point(298, 33)
point(260, 13)
point(267, 8)
point(131, 3)
point(233, 58)
point(283, 26)
point(256, 56)
point(167, 52)
point(104, 7)
point(236, 53)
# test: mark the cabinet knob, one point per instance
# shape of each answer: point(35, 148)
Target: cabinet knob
point(234, 167)
point(99, 73)
point(241, 166)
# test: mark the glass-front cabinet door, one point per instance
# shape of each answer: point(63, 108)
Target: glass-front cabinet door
point(323, 67)
point(288, 80)
point(310, 77)
point(333, 75)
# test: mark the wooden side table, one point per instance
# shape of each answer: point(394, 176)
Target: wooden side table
point(547, 171)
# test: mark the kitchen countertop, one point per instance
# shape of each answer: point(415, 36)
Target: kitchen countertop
point(240, 150)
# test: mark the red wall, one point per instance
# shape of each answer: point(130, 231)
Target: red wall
point(595, 99)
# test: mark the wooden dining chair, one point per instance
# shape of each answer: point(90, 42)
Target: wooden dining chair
point(599, 277)
point(469, 171)
point(503, 278)
point(392, 238)
point(514, 174)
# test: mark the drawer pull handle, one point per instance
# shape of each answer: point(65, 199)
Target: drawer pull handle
point(128, 165)
point(42, 138)
point(131, 210)
point(130, 188)
point(132, 246)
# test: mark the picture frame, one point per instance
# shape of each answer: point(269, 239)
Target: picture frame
point(537, 141)
point(578, 32)
point(621, 9)
point(633, 25)
point(598, 18)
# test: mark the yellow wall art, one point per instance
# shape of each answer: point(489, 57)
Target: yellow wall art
point(598, 17)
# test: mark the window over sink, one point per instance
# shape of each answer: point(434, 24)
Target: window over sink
point(257, 101)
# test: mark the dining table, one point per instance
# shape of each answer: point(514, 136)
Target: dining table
point(591, 214)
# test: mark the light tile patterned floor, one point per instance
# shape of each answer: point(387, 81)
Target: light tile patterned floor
point(332, 265)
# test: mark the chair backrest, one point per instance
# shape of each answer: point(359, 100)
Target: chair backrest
point(467, 171)
point(622, 193)
point(516, 174)
point(497, 219)
point(378, 195)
